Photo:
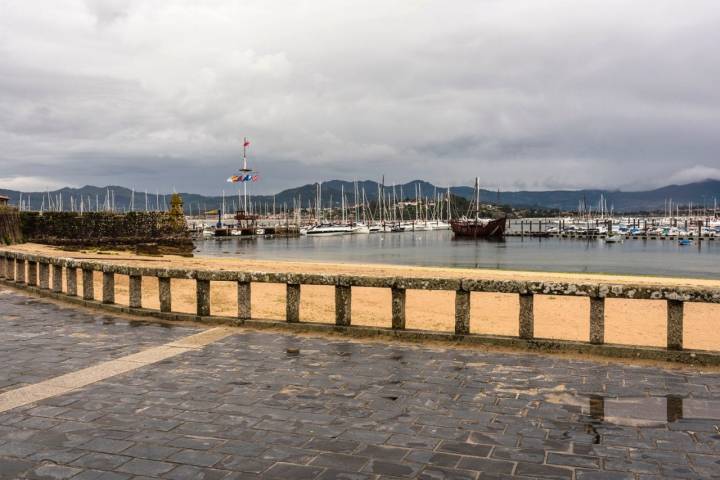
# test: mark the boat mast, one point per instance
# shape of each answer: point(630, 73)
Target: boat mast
point(244, 172)
point(477, 197)
point(342, 202)
point(449, 214)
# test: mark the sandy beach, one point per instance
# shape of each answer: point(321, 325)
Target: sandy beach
point(638, 322)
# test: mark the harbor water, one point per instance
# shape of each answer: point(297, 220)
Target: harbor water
point(701, 259)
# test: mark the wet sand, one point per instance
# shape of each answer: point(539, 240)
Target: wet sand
point(637, 322)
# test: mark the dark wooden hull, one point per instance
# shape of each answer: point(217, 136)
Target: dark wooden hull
point(469, 228)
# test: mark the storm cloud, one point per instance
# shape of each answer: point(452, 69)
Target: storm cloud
point(525, 94)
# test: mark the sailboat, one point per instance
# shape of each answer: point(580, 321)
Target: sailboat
point(477, 227)
point(325, 229)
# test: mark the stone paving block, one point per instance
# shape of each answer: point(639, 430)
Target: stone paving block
point(486, 465)
point(286, 471)
point(201, 443)
point(198, 458)
point(598, 475)
point(519, 454)
point(383, 452)
point(413, 441)
point(392, 469)
point(101, 475)
point(13, 468)
point(242, 448)
point(430, 457)
point(630, 466)
point(331, 445)
point(150, 451)
point(331, 474)
point(543, 471)
point(104, 461)
point(682, 471)
point(52, 472)
point(141, 466)
point(573, 460)
point(442, 473)
point(238, 463)
point(662, 456)
point(463, 448)
point(189, 472)
point(106, 445)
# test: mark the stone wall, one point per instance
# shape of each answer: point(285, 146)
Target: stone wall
point(147, 232)
point(32, 271)
point(10, 231)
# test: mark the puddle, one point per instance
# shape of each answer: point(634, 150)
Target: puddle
point(655, 411)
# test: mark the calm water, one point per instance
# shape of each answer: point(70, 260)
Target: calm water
point(440, 249)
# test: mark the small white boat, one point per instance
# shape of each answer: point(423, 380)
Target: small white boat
point(259, 231)
point(207, 233)
point(615, 238)
point(422, 226)
point(326, 230)
point(360, 228)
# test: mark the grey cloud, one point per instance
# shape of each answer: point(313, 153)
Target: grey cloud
point(524, 94)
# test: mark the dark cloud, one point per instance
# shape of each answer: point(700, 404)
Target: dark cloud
point(524, 94)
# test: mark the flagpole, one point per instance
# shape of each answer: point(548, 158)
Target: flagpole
point(244, 172)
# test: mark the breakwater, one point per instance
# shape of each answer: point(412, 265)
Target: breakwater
point(147, 232)
point(10, 228)
point(58, 277)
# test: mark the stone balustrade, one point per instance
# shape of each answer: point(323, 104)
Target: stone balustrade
point(22, 269)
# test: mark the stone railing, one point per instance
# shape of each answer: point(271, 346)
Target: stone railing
point(33, 271)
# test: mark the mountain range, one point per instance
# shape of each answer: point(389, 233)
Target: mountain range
point(702, 193)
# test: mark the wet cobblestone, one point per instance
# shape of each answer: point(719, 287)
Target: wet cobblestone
point(243, 408)
point(40, 339)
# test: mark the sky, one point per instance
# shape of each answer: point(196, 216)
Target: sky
point(525, 94)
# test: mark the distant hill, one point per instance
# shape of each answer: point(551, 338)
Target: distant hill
point(699, 193)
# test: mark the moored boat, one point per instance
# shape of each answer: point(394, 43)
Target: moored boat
point(477, 227)
point(328, 230)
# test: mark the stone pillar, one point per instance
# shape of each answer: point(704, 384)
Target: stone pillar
point(44, 274)
point(108, 287)
point(88, 285)
point(462, 312)
point(32, 273)
point(20, 273)
point(675, 324)
point(398, 308)
point(597, 320)
point(57, 278)
point(343, 305)
point(135, 291)
point(527, 320)
point(243, 300)
point(71, 280)
point(202, 297)
point(292, 306)
point(165, 294)
point(5, 267)
point(10, 272)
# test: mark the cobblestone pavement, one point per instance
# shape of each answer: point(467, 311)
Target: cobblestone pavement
point(41, 340)
point(250, 406)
